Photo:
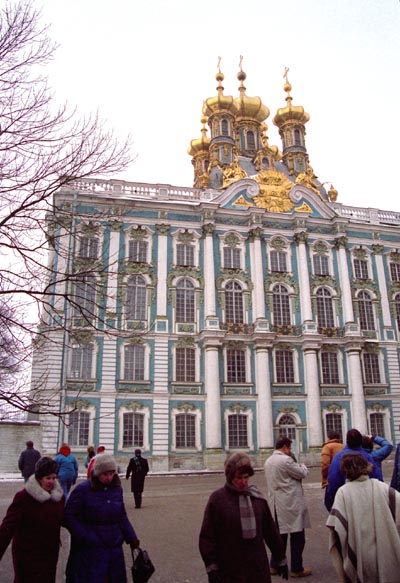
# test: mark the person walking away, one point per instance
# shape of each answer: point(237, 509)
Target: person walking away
point(380, 454)
point(33, 523)
point(336, 477)
point(27, 460)
point(101, 449)
point(139, 468)
point(237, 524)
point(67, 468)
point(96, 518)
point(90, 454)
point(364, 523)
point(286, 497)
point(329, 449)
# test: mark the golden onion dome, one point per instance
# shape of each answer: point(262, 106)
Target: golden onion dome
point(220, 103)
point(290, 112)
point(201, 144)
point(249, 107)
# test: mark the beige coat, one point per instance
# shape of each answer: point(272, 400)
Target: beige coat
point(285, 492)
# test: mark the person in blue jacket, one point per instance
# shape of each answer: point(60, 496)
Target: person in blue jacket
point(67, 468)
point(380, 454)
point(395, 482)
point(96, 518)
point(336, 477)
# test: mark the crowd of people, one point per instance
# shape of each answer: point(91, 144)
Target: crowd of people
point(238, 523)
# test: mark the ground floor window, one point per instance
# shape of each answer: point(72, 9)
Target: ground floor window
point(237, 431)
point(334, 423)
point(185, 430)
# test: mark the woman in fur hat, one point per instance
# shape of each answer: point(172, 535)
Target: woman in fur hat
point(95, 516)
point(236, 526)
point(33, 523)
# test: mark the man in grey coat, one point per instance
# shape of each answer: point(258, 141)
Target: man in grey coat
point(27, 460)
point(286, 498)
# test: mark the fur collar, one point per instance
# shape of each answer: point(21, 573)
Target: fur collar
point(35, 490)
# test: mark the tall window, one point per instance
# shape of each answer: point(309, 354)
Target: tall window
point(185, 430)
point(280, 305)
point(377, 425)
point(78, 430)
point(136, 298)
point(330, 369)
point(185, 365)
point(284, 366)
point(334, 423)
point(287, 427)
point(237, 430)
point(224, 127)
point(397, 308)
point(395, 271)
point(137, 251)
point(325, 308)
point(81, 361)
point(361, 268)
point(185, 301)
point(134, 362)
point(88, 248)
point(278, 261)
point(321, 264)
point(133, 430)
point(235, 366)
point(366, 311)
point(233, 303)
point(251, 144)
point(371, 368)
point(297, 137)
point(231, 258)
point(184, 254)
point(85, 298)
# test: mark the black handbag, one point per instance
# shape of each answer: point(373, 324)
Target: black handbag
point(142, 568)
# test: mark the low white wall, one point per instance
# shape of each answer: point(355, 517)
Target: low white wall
point(13, 437)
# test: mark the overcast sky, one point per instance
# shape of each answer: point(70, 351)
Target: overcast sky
point(148, 65)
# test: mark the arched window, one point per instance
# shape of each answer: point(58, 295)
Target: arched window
point(334, 423)
point(264, 164)
point(136, 298)
point(185, 301)
point(281, 305)
point(366, 311)
point(233, 303)
point(185, 430)
point(287, 427)
point(251, 144)
point(325, 308)
point(237, 430)
point(185, 365)
point(397, 308)
point(297, 138)
point(224, 127)
point(85, 298)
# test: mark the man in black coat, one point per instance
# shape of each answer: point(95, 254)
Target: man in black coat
point(27, 460)
point(139, 468)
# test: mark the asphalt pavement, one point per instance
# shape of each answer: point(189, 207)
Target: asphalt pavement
point(169, 521)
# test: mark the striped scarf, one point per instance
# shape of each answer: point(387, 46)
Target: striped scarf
point(247, 517)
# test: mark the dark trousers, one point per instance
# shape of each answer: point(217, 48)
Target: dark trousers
point(297, 543)
point(138, 498)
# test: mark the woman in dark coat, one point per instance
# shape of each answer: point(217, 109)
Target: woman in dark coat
point(96, 517)
point(33, 523)
point(236, 526)
point(139, 468)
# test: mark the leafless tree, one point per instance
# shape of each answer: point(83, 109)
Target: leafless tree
point(43, 147)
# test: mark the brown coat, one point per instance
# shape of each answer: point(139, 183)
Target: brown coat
point(221, 543)
point(329, 450)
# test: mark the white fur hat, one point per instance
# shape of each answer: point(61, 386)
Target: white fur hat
point(104, 462)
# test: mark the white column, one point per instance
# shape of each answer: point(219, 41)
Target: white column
point(345, 286)
point(304, 279)
point(112, 283)
point(209, 271)
point(387, 322)
point(162, 231)
point(264, 408)
point(356, 389)
point(213, 400)
point(257, 274)
point(314, 421)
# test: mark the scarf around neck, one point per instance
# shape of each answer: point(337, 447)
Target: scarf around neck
point(247, 517)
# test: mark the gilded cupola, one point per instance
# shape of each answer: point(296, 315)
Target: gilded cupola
point(249, 108)
point(291, 122)
point(199, 150)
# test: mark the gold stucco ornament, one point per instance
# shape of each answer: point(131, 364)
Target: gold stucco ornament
point(274, 191)
point(233, 173)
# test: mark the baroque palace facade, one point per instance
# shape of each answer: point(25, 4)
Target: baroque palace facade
point(207, 319)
